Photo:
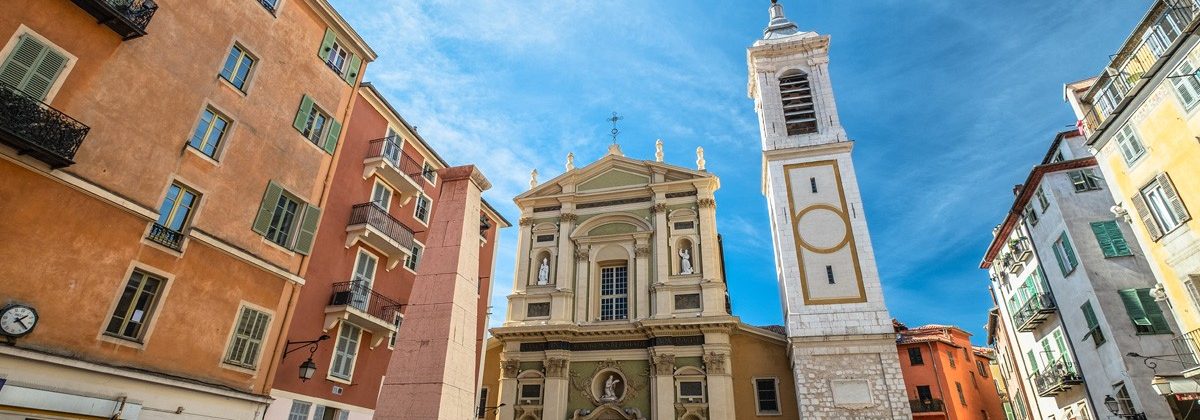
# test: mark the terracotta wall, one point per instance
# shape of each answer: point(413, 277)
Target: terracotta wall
point(980, 393)
point(754, 356)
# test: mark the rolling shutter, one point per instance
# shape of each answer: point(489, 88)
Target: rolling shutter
point(266, 209)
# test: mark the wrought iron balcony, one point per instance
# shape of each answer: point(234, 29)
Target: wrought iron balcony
point(128, 18)
point(166, 236)
point(373, 226)
point(354, 301)
point(1060, 375)
point(1034, 312)
point(1140, 55)
point(1020, 249)
point(387, 160)
point(927, 406)
point(1187, 352)
point(37, 129)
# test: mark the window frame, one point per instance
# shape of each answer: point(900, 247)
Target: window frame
point(1095, 332)
point(63, 73)
point(379, 185)
point(234, 335)
point(149, 313)
point(1064, 253)
point(1191, 84)
point(334, 375)
point(1126, 138)
point(167, 218)
point(397, 320)
point(289, 237)
point(758, 397)
point(1084, 180)
point(429, 172)
point(338, 66)
point(317, 137)
point(428, 206)
point(1042, 200)
point(413, 261)
point(1157, 202)
point(679, 381)
point(919, 360)
point(243, 55)
point(294, 415)
point(617, 299)
point(199, 141)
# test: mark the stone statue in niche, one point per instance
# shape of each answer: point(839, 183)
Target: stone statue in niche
point(610, 392)
point(544, 272)
point(685, 261)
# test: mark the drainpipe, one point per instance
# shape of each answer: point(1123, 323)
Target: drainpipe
point(933, 357)
point(1087, 394)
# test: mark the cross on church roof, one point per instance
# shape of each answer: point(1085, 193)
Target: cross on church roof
point(614, 120)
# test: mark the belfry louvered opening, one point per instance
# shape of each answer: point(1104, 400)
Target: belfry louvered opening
point(798, 111)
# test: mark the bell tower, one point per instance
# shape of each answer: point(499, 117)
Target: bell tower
point(842, 342)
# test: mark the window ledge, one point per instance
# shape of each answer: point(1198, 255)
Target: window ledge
point(338, 379)
point(225, 82)
point(238, 368)
point(286, 250)
point(121, 341)
point(211, 160)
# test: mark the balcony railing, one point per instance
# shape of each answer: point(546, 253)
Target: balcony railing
point(359, 295)
point(1137, 58)
point(166, 236)
point(1034, 312)
point(378, 218)
point(391, 151)
point(927, 406)
point(1056, 377)
point(1187, 350)
point(128, 18)
point(37, 129)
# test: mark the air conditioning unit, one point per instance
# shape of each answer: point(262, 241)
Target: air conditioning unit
point(337, 390)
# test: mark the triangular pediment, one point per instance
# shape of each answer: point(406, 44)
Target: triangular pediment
point(613, 172)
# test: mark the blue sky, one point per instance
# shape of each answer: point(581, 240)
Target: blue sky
point(950, 102)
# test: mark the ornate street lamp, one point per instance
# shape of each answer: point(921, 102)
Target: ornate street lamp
point(308, 367)
point(1115, 408)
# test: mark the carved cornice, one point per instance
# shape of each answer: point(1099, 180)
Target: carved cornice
point(664, 364)
point(714, 363)
point(706, 203)
point(568, 217)
point(556, 367)
point(525, 221)
point(658, 208)
point(581, 254)
point(642, 251)
point(510, 368)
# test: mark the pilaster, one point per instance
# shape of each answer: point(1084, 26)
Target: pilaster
point(662, 392)
point(582, 291)
point(710, 255)
point(524, 233)
point(557, 387)
point(642, 260)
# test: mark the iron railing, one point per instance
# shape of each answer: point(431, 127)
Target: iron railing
point(1034, 311)
point(927, 406)
point(128, 18)
point(137, 12)
point(35, 128)
point(166, 236)
point(1187, 349)
point(392, 151)
point(359, 295)
point(372, 215)
point(1056, 377)
point(1135, 59)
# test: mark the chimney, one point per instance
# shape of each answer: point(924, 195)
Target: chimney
point(1017, 189)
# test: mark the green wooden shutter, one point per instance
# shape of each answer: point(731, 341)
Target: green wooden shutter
point(352, 70)
point(1089, 315)
point(32, 67)
point(1118, 239)
point(1172, 196)
point(1100, 229)
point(1143, 211)
point(1032, 361)
point(327, 44)
point(306, 105)
point(1153, 312)
point(1066, 245)
point(308, 229)
point(1133, 305)
point(331, 136)
point(1058, 256)
point(266, 210)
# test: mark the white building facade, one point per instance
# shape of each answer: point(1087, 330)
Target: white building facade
point(843, 348)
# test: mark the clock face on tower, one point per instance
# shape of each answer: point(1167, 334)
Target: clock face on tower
point(17, 320)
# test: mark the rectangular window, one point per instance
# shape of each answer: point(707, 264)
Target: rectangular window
point(531, 393)
point(135, 306)
point(421, 212)
point(210, 131)
point(381, 196)
point(429, 173)
point(1144, 312)
point(247, 338)
point(1110, 239)
point(481, 408)
point(314, 127)
point(237, 67)
point(345, 351)
point(33, 67)
point(691, 391)
point(285, 220)
point(961, 398)
point(1093, 324)
point(829, 273)
point(397, 319)
point(1124, 403)
point(614, 289)
point(914, 356)
point(767, 395)
point(1193, 292)
point(813, 183)
point(299, 410)
point(1186, 88)
point(1065, 254)
point(979, 366)
point(545, 238)
point(538, 310)
point(685, 301)
point(1085, 180)
point(950, 357)
point(1131, 146)
point(1042, 200)
point(1031, 215)
point(412, 261)
point(1160, 207)
point(176, 208)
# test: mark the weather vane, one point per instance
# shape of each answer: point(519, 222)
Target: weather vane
point(614, 120)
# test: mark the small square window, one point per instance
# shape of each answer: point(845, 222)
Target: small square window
point(412, 261)
point(421, 210)
point(315, 126)
point(209, 133)
point(1131, 147)
point(429, 173)
point(237, 68)
point(338, 57)
point(691, 391)
point(1085, 180)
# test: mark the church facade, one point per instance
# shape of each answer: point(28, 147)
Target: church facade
point(841, 340)
point(619, 308)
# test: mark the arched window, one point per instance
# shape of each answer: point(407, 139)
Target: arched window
point(798, 111)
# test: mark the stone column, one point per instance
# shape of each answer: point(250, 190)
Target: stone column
point(524, 233)
point(583, 294)
point(641, 255)
point(710, 256)
point(431, 374)
point(509, 368)
point(554, 402)
point(662, 390)
point(566, 258)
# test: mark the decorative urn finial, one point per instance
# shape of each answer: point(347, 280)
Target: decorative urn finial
point(658, 153)
point(570, 160)
point(533, 178)
point(700, 158)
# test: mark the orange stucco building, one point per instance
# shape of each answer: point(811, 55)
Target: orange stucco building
point(369, 248)
point(946, 377)
point(163, 174)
